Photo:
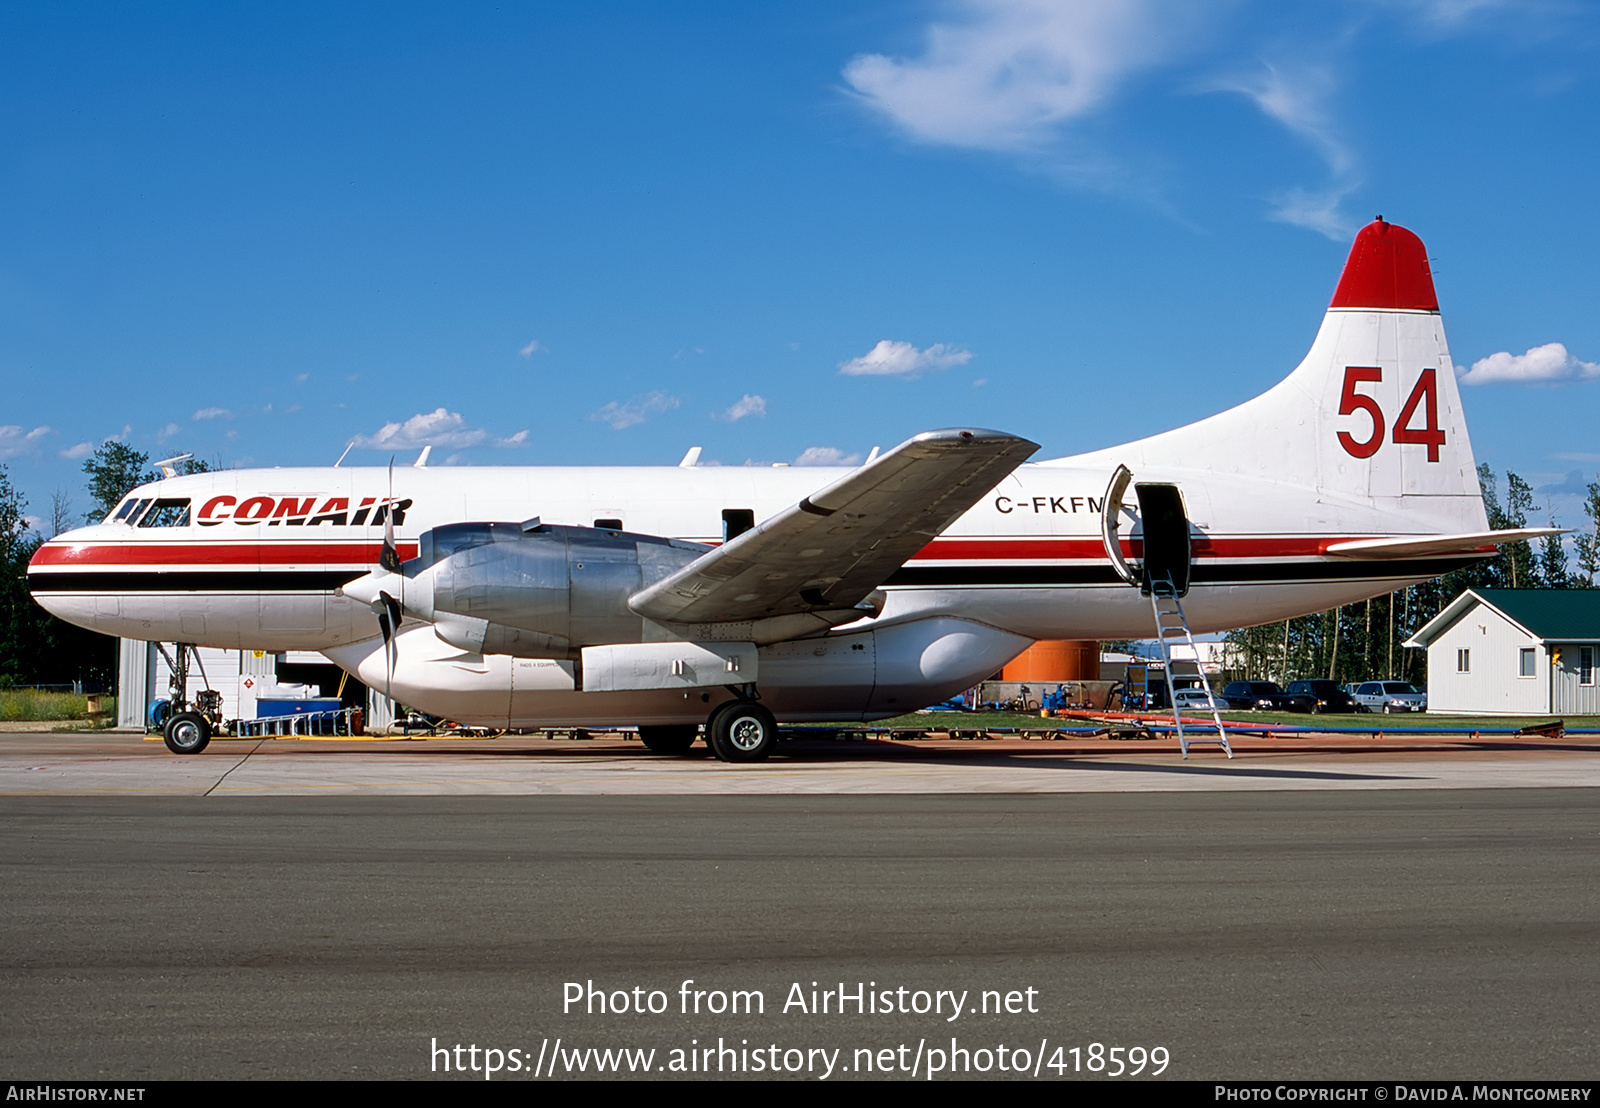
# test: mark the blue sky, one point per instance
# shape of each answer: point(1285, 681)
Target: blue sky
point(604, 233)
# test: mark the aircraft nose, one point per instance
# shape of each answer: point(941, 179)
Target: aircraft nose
point(53, 567)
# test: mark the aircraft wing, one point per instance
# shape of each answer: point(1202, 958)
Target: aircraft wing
point(830, 551)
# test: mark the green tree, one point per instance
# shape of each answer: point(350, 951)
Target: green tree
point(36, 648)
point(1552, 566)
point(1519, 557)
point(1587, 543)
point(114, 470)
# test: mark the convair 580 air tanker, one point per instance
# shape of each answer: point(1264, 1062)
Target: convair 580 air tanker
point(667, 598)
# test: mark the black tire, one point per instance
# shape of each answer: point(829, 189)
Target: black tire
point(742, 731)
point(187, 733)
point(670, 739)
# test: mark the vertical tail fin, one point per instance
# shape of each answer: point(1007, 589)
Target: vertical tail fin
point(1372, 416)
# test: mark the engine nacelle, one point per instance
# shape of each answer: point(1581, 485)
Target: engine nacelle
point(536, 591)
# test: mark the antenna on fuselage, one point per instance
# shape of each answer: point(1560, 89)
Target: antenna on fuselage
point(169, 467)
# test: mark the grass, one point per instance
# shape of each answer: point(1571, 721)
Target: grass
point(30, 705)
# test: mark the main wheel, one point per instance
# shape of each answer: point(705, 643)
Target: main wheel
point(673, 739)
point(186, 733)
point(742, 731)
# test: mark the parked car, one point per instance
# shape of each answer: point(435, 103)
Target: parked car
point(1390, 696)
point(1196, 700)
point(1265, 696)
point(1330, 695)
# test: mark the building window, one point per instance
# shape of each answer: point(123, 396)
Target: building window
point(1463, 661)
point(1585, 665)
point(1525, 662)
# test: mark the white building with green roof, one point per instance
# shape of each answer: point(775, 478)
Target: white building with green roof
point(1514, 652)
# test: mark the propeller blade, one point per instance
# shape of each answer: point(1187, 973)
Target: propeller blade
point(388, 611)
point(389, 557)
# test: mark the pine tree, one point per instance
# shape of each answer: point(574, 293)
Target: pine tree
point(1587, 543)
point(1519, 555)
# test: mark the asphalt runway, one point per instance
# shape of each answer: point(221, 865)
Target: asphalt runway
point(1362, 915)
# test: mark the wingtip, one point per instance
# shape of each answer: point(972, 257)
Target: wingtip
point(962, 436)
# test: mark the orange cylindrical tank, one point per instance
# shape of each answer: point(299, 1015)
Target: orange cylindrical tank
point(1056, 660)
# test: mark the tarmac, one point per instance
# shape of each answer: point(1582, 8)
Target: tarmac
point(1315, 909)
point(112, 763)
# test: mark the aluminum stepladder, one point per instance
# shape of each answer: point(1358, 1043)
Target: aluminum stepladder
point(1163, 576)
point(1171, 625)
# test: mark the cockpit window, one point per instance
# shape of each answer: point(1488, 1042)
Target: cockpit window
point(129, 511)
point(167, 513)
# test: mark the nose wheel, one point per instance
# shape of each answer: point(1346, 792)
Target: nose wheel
point(741, 731)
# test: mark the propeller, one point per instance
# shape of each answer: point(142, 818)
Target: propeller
point(383, 590)
point(388, 607)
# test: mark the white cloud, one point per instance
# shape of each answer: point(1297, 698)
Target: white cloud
point(891, 358)
point(166, 433)
point(1549, 362)
point(436, 428)
point(82, 450)
point(534, 347)
point(747, 405)
point(634, 411)
point(1006, 74)
point(212, 413)
point(14, 440)
point(1297, 97)
point(513, 440)
point(826, 456)
point(302, 378)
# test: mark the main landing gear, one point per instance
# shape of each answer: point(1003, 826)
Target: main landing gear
point(739, 730)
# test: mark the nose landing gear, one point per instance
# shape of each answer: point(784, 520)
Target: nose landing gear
point(188, 730)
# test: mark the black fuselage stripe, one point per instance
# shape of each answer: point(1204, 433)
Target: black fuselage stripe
point(228, 581)
point(925, 577)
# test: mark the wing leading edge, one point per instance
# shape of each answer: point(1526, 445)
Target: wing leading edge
point(828, 552)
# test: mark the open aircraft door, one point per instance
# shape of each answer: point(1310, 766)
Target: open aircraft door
point(1163, 534)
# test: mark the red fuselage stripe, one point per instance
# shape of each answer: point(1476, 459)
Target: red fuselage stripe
point(359, 554)
point(215, 554)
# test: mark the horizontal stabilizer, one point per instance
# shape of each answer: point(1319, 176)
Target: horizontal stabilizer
point(1415, 546)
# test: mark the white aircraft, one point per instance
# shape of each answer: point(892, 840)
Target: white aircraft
point(665, 598)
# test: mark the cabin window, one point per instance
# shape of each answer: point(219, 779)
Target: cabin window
point(129, 511)
point(1525, 662)
point(608, 524)
point(167, 513)
point(736, 521)
point(1585, 665)
point(1463, 661)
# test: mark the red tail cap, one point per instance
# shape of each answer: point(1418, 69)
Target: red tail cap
point(1387, 268)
